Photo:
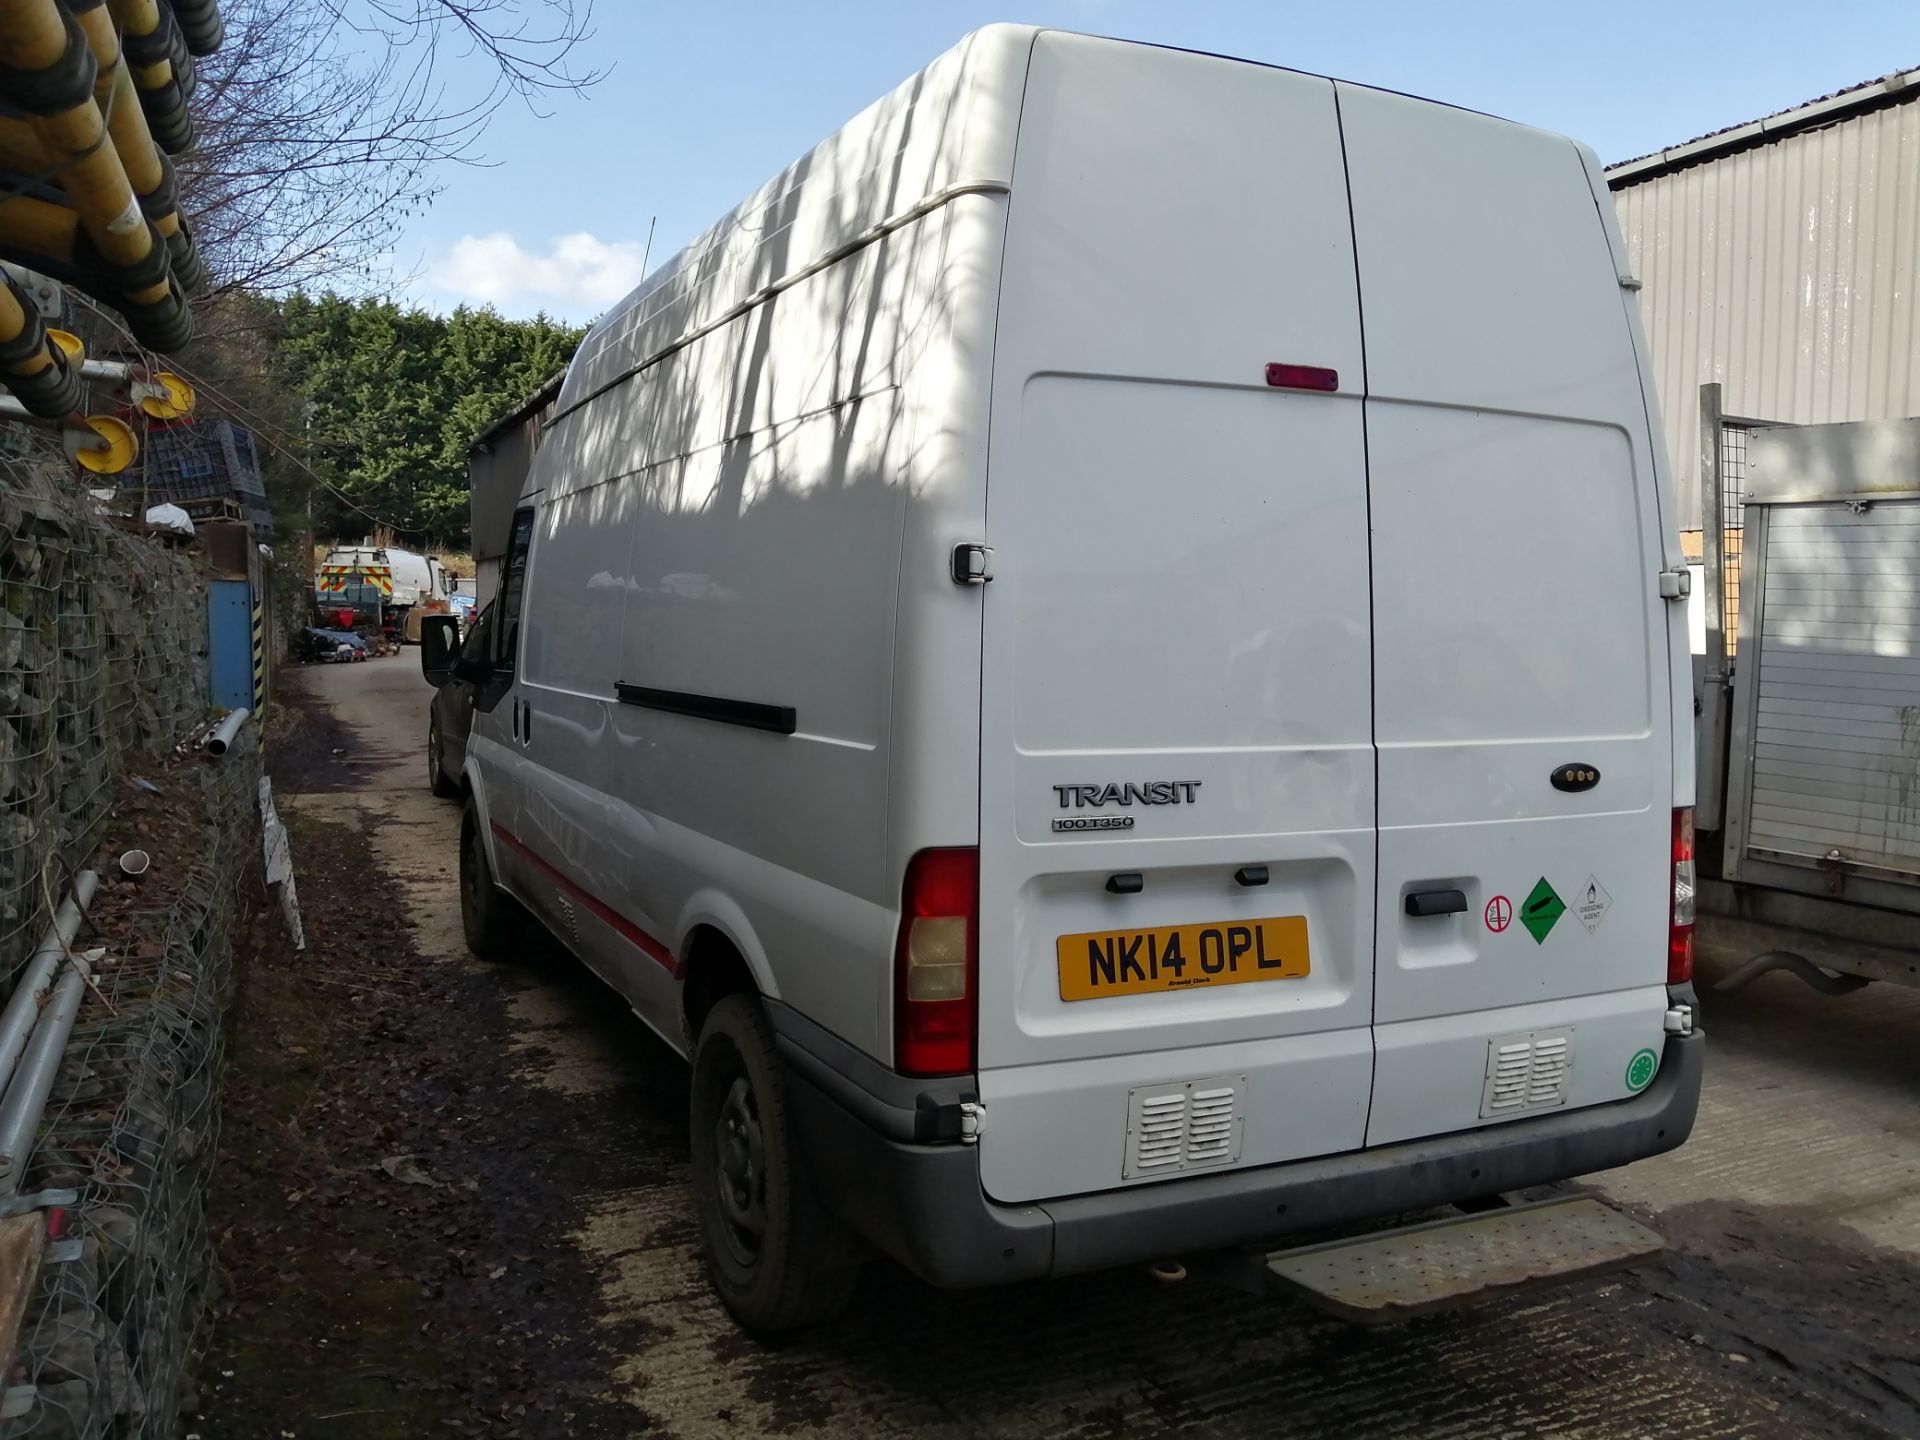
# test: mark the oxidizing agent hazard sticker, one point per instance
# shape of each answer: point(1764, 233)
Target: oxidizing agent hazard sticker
point(1590, 904)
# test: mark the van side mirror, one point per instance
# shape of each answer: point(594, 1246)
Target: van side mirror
point(439, 648)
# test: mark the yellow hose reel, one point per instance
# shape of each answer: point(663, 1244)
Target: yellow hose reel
point(121, 449)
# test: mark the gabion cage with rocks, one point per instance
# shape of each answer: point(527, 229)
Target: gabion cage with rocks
point(102, 677)
point(102, 661)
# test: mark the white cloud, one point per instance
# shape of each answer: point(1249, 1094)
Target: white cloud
point(579, 274)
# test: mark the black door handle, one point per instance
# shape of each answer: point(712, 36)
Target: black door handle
point(1436, 902)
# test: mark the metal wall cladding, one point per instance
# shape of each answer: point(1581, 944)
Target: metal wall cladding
point(1790, 273)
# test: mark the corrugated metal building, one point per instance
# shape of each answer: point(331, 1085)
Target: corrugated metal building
point(1781, 258)
point(497, 465)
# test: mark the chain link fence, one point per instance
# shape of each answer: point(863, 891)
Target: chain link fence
point(1733, 499)
point(133, 1127)
point(102, 668)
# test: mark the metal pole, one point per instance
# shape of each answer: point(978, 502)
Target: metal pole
point(116, 370)
point(23, 1007)
point(76, 423)
point(227, 731)
point(1713, 525)
point(26, 1099)
point(1711, 764)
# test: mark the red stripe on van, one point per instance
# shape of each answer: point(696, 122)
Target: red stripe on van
point(654, 950)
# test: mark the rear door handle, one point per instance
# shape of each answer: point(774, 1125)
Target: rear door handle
point(1436, 902)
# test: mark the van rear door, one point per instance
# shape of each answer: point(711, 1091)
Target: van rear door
point(1176, 760)
point(1518, 628)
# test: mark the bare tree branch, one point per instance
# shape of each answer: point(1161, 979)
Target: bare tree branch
point(323, 125)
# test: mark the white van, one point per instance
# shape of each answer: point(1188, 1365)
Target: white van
point(1101, 655)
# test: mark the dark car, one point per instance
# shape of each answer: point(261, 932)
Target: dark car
point(450, 717)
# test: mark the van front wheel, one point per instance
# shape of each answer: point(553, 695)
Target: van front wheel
point(777, 1259)
point(495, 926)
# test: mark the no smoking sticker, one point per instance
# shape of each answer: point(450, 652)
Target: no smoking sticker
point(1499, 913)
point(1591, 903)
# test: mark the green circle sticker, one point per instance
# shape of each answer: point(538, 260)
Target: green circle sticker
point(1640, 1070)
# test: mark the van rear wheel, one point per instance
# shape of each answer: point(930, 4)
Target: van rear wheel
point(776, 1258)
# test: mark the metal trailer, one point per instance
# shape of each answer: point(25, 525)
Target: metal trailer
point(1818, 806)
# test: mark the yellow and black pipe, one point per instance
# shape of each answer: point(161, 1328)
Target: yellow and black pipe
point(102, 238)
point(200, 25)
point(31, 365)
point(162, 66)
point(148, 169)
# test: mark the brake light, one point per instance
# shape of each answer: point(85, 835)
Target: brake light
point(1302, 377)
point(1680, 915)
point(935, 962)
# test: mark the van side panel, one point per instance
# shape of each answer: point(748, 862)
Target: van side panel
point(1518, 628)
point(724, 497)
point(1180, 600)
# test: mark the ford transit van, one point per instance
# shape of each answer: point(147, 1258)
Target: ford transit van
point(1106, 657)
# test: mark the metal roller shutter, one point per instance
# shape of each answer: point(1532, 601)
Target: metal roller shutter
point(1836, 718)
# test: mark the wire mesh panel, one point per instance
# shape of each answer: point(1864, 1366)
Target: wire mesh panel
point(1733, 491)
point(102, 658)
point(132, 1128)
point(103, 668)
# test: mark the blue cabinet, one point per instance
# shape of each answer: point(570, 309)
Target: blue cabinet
point(233, 644)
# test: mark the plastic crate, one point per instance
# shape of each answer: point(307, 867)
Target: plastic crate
point(205, 458)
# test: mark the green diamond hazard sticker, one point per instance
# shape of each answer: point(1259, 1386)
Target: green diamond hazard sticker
point(1540, 910)
point(1640, 1070)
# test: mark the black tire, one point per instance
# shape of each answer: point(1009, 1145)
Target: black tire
point(437, 780)
point(778, 1261)
point(496, 926)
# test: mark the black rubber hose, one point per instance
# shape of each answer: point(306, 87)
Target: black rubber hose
point(200, 22)
point(188, 268)
point(129, 279)
point(1793, 964)
point(164, 199)
point(55, 392)
point(165, 105)
point(55, 389)
point(168, 119)
point(58, 88)
point(165, 325)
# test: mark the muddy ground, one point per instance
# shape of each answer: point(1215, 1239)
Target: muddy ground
point(453, 1201)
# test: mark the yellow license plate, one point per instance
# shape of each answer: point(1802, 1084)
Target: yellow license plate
point(1181, 957)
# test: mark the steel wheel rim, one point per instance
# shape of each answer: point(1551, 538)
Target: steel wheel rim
point(433, 753)
point(740, 1171)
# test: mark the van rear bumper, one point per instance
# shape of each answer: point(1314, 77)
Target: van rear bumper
point(923, 1205)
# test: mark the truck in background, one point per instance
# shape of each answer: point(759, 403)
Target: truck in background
point(382, 587)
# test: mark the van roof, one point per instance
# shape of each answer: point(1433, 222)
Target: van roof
point(949, 127)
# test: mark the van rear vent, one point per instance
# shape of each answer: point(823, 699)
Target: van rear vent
point(1183, 1125)
point(1527, 1072)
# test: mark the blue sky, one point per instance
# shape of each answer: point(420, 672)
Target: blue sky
point(707, 101)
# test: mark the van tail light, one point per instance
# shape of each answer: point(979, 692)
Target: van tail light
point(936, 963)
point(1680, 916)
